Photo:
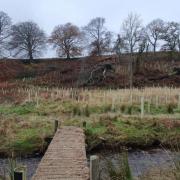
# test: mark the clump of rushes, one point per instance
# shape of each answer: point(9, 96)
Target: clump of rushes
point(123, 108)
point(86, 111)
point(170, 108)
point(125, 167)
point(119, 171)
point(76, 110)
point(176, 162)
point(12, 164)
point(107, 108)
point(177, 170)
point(129, 110)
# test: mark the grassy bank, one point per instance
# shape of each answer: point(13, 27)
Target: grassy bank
point(25, 126)
point(131, 132)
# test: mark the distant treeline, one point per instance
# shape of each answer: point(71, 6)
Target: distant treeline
point(28, 40)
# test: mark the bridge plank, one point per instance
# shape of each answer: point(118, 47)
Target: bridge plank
point(65, 158)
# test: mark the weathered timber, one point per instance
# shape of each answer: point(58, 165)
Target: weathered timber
point(65, 158)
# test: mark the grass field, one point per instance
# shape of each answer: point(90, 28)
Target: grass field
point(113, 117)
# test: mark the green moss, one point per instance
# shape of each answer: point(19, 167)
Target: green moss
point(18, 109)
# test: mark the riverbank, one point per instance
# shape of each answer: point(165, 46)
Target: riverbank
point(113, 131)
point(29, 134)
point(113, 117)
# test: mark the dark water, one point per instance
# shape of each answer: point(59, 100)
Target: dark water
point(30, 163)
point(140, 161)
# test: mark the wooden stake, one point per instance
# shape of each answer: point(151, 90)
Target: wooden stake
point(149, 106)
point(84, 124)
point(94, 168)
point(157, 103)
point(56, 124)
point(142, 107)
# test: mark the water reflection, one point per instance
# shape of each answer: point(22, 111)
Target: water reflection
point(139, 161)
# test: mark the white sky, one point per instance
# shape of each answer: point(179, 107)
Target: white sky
point(49, 13)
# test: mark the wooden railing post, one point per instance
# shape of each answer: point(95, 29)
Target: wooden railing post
point(94, 168)
point(84, 124)
point(56, 124)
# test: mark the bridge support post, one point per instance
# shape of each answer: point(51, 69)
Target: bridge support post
point(94, 168)
point(56, 124)
point(19, 173)
point(84, 124)
point(179, 101)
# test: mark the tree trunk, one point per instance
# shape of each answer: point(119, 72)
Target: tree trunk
point(131, 71)
point(172, 56)
point(68, 56)
point(154, 49)
point(98, 49)
point(154, 45)
point(30, 57)
point(131, 50)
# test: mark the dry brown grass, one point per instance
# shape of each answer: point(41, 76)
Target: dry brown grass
point(157, 96)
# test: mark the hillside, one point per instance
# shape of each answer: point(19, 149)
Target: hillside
point(149, 70)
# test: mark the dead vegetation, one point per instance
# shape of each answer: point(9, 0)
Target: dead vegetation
point(112, 72)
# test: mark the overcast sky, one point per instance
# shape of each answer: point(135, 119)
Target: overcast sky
point(49, 13)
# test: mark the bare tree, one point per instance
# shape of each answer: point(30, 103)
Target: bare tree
point(27, 40)
point(120, 45)
point(179, 39)
point(131, 29)
point(170, 35)
point(5, 24)
point(143, 44)
point(179, 43)
point(100, 38)
point(67, 39)
point(154, 31)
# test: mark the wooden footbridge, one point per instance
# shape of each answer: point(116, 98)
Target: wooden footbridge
point(65, 158)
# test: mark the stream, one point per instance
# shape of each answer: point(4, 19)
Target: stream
point(140, 161)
